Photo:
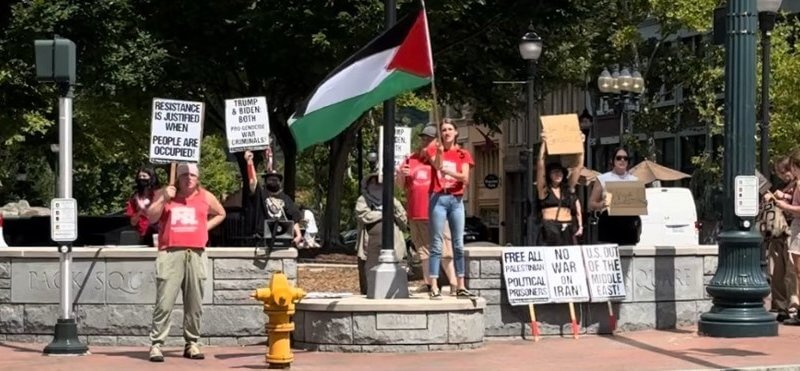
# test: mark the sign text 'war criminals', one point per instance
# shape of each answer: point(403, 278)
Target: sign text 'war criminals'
point(247, 124)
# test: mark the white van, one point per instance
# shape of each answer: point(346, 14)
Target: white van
point(671, 218)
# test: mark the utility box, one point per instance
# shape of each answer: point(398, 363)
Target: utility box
point(55, 60)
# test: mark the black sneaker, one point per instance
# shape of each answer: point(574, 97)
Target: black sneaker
point(464, 293)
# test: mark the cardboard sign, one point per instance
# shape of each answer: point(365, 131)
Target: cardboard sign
point(604, 271)
point(247, 124)
point(626, 198)
point(176, 131)
point(566, 274)
point(562, 134)
point(525, 275)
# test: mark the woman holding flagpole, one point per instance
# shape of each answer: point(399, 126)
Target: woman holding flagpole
point(451, 165)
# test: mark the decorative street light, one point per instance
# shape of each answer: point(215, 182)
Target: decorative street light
point(622, 89)
point(739, 285)
point(767, 13)
point(530, 49)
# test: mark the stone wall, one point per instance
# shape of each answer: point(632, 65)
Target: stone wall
point(665, 289)
point(114, 291)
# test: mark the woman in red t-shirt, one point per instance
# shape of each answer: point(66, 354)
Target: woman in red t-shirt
point(136, 209)
point(451, 165)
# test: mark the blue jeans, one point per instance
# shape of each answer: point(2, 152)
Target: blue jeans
point(450, 208)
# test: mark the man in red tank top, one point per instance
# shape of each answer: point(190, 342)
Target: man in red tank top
point(183, 216)
point(415, 177)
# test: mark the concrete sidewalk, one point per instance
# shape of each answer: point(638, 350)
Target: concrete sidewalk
point(645, 350)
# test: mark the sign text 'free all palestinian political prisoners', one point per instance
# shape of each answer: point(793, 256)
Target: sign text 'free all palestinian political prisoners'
point(176, 131)
point(247, 124)
point(604, 270)
point(565, 274)
point(525, 275)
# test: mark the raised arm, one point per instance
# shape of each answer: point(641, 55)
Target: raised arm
point(576, 171)
point(541, 183)
point(252, 178)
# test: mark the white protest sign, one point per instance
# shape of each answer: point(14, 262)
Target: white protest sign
point(565, 274)
point(525, 275)
point(176, 131)
point(247, 124)
point(604, 270)
point(402, 146)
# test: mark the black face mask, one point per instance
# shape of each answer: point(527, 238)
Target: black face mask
point(142, 184)
point(273, 187)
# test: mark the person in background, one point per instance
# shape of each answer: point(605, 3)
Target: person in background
point(369, 218)
point(185, 215)
point(788, 200)
point(558, 201)
point(451, 165)
point(136, 208)
point(310, 224)
point(275, 203)
point(414, 175)
point(621, 230)
point(772, 223)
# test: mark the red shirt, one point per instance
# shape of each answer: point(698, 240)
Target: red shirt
point(418, 187)
point(453, 159)
point(184, 222)
point(133, 207)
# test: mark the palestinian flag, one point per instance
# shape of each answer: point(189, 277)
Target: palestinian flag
point(397, 61)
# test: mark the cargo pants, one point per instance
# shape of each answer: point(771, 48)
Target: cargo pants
point(179, 269)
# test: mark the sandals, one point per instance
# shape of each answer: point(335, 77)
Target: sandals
point(435, 294)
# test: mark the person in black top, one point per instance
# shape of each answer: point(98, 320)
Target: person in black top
point(561, 218)
point(275, 204)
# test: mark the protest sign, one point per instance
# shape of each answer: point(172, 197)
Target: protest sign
point(402, 147)
point(176, 130)
point(247, 124)
point(604, 271)
point(566, 274)
point(525, 275)
point(627, 198)
point(562, 134)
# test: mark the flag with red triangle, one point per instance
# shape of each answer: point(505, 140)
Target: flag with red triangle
point(397, 61)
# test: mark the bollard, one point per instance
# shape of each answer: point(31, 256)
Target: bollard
point(279, 304)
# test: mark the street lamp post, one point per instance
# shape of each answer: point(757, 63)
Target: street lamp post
point(767, 13)
point(530, 48)
point(623, 90)
point(587, 124)
point(739, 286)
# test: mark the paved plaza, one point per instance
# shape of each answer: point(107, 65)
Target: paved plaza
point(646, 350)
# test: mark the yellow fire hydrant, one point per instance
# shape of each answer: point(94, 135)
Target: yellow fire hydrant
point(279, 300)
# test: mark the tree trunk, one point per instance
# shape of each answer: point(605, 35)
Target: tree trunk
point(340, 148)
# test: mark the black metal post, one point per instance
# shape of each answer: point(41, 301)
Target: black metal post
point(360, 156)
point(766, 21)
point(738, 286)
point(387, 235)
point(531, 136)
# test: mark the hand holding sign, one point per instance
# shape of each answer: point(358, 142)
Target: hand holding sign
point(627, 198)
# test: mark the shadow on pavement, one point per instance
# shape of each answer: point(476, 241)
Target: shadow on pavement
point(728, 352)
point(19, 348)
point(654, 349)
point(239, 355)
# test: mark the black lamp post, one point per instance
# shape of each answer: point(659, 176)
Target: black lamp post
point(767, 13)
point(739, 286)
point(530, 49)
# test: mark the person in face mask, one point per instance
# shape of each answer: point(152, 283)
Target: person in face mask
point(136, 208)
point(279, 205)
point(369, 214)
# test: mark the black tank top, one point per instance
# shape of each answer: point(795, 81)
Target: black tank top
point(552, 201)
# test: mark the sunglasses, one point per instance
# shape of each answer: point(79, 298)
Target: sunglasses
point(621, 158)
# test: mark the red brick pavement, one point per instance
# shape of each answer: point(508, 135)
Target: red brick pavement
point(645, 350)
